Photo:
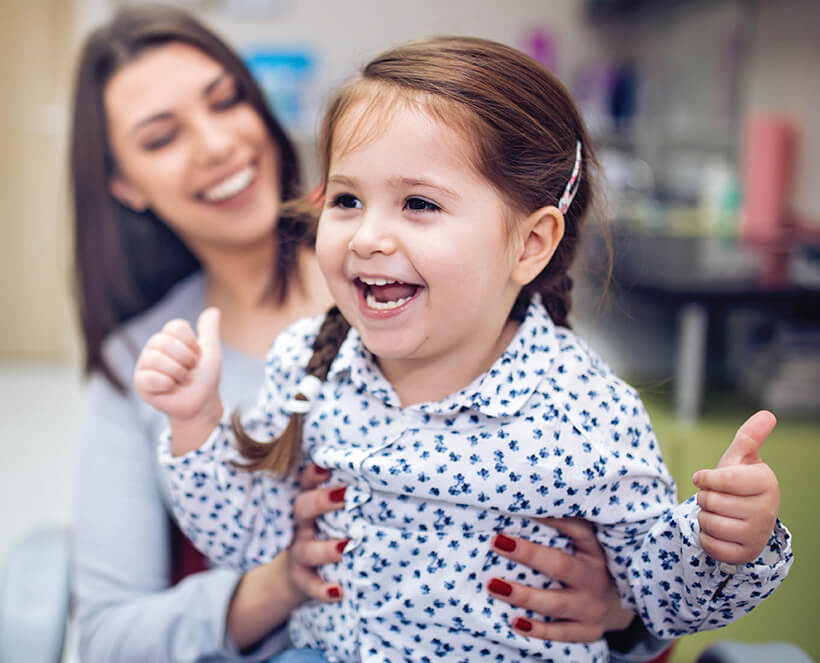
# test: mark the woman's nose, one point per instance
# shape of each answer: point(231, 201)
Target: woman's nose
point(213, 142)
point(372, 235)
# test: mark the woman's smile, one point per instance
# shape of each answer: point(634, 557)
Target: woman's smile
point(229, 188)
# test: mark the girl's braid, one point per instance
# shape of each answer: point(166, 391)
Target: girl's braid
point(281, 456)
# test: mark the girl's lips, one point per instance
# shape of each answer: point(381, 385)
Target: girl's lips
point(390, 297)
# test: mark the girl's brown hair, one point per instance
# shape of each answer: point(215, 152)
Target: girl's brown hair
point(524, 129)
point(125, 261)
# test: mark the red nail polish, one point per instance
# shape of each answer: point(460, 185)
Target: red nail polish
point(320, 470)
point(500, 587)
point(522, 624)
point(334, 593)
point(342, 545)
point(504, 543)
point(338, 494)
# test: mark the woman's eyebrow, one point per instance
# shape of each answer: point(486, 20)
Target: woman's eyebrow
point(167, 115)
point(215, 82)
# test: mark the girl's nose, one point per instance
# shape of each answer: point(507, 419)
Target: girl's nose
point(372, 236)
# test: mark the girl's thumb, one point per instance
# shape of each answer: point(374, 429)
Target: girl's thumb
point(207, 329)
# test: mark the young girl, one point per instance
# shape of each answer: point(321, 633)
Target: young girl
point(457, 403)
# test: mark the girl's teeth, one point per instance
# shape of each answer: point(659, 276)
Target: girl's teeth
point(230, 187)
point(384, 306)
point(369, 281)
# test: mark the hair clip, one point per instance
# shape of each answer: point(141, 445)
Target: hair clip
point(574, 180)
point(309, 388)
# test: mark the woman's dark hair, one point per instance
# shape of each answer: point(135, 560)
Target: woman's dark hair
point(126, 261)
point(525, 131)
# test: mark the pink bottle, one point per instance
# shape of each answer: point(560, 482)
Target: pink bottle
point(768, 156)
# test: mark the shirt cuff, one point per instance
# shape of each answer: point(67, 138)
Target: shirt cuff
point(169, 461)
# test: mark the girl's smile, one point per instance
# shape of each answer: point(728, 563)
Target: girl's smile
point(415, 248)
point(383, 297)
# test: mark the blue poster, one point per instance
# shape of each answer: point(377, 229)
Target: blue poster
point(285, 76)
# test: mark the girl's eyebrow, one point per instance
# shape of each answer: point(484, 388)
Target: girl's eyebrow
point(399, 182)
point(430, 184)
point(167, 115)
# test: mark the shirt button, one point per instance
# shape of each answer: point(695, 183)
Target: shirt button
point(356, 530)
point(727, 568)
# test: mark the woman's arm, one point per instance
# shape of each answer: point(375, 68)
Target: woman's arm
point(125, 609)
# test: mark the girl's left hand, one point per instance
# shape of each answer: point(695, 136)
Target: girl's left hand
point(587, 606)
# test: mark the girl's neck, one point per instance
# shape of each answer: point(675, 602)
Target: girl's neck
point(240, 286)
point(430, 381)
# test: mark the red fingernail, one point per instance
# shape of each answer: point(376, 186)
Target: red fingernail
point(500, 587)
point(342, 545)
point(334, 592)
point(321, 470)
point(522, 624)
point(504, 543)
point(338, 494)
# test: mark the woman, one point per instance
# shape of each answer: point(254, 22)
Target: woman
point(179, 170)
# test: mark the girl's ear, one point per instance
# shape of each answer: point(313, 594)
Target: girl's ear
point(127, 193)
point(543, 231)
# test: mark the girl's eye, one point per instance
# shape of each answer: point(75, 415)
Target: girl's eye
point(346, 201)
point(417, 204)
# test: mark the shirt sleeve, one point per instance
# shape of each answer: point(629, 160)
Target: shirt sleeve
point(677, 588)
point(653, 545)
point(125, 609)
point(236, 517)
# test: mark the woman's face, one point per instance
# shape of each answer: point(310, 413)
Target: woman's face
point(189, 146)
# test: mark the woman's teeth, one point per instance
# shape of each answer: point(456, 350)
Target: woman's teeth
point(232, 186)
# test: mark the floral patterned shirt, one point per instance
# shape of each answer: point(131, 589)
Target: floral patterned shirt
point(547, 431)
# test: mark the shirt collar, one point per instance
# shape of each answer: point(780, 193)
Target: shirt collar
point(501, 391)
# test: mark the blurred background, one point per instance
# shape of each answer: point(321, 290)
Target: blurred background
point(704, 118)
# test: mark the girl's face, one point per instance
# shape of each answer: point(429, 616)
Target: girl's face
point(415, 247)
point(190, 147)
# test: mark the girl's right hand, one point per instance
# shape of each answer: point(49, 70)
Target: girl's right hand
point(179, 375)
point(307, 552)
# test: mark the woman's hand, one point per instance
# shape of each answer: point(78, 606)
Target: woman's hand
point(267, 594)
point(307, 552)
point(586, 607)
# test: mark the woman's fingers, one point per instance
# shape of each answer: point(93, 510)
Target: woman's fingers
point(313, 476)
point(556, 631)
point(310, 504)
point(580, 531)
point(310, 583)
point(566, 568)
point(558, 604)
point(309, 551)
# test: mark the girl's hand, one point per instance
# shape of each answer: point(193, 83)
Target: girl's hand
point(588, 604)
point(179, 375)
point(739, 499)
point(307, 552)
